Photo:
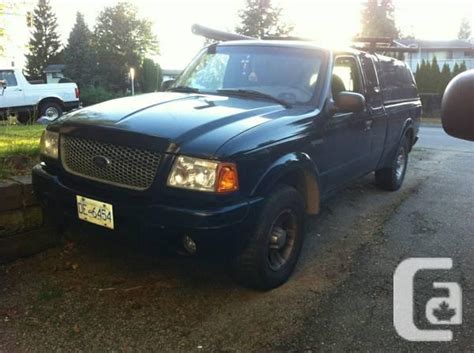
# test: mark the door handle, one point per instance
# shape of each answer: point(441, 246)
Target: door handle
point(18, 90)
point(368, 125)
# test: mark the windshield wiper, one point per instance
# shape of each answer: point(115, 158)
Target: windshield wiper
point(183, 89)
point(250, 93)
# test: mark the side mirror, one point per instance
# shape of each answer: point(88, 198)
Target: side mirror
point(350, 102)
point(457, 109)
point(166, 84)
point(3, 85)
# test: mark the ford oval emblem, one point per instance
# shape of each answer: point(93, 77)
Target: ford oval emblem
point(100, 161)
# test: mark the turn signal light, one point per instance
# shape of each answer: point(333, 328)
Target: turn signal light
point(228, 179)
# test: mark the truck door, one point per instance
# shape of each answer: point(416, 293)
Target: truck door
point(373, 97)
point(347, 135)
point(13, 95)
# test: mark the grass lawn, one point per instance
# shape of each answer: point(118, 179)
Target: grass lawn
point(19, 148)
point(431, 120)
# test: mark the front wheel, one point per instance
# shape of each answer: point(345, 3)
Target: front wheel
point(391, 178)
point(51, 110)
point(273, 247)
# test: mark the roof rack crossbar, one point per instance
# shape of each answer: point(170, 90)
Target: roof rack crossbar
point(217, 35)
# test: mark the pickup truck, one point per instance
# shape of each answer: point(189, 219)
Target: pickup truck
point(31, 101)
point(252, 136)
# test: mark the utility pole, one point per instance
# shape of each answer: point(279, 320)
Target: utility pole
point(132, 79)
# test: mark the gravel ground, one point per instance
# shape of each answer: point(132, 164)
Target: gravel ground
point(100, 293)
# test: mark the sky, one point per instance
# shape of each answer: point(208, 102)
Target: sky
point(330, 22)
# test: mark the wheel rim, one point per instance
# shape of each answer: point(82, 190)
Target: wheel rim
point(401, 163)
point(51, 112)
point(282, 239)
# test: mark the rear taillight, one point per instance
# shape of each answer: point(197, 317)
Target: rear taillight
point(78, 92)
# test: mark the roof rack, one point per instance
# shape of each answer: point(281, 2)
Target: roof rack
point(288, 38)
point(217, 35)
point(379, 44)
point(369, 44)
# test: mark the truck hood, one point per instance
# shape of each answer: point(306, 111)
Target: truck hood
point(194, 124)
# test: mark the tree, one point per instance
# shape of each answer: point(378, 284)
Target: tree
point(122, 41)
point(2, 30)
point(151, 76)
point(260, 18)
point(444, 78)
point(79, 54)
point(434, 76)
point(421, 76)
point(456, 70)
point(378, 19)
point(44, 44)
point(464, 29)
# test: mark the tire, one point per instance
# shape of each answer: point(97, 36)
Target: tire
point(391, 179)
point(51, 110)
point(274, 245)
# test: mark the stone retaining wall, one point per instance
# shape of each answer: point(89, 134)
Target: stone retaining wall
point(22, 228)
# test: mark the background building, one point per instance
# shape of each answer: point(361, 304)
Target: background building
point(446, 51)
point(16, 22)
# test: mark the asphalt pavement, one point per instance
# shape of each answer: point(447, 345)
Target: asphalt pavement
point(435, 221)
point(434, 137)
point(100, 293)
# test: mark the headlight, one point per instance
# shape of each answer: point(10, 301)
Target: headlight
point(203, 175)
point(49, 144)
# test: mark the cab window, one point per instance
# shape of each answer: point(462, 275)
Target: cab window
point(9, 77)
point(346, 76)
point(370, 75)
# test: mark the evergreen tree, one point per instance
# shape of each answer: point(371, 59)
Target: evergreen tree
point(434, 76)
point(122, 40)
point(260, 18)
point(422, 77)
point(462, 67)
point(417, 75)
point(2, 29)
point(151, 76)
point(456, 70)
point(464, 29)
point(44, 43)
point(444, 78)
point(79, 54)
point(378, 19)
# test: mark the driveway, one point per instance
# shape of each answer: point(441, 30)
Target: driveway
point(100, 293)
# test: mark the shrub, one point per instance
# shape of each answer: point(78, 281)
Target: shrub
point(93, 95)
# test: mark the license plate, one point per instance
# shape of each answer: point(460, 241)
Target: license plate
point(93, 211)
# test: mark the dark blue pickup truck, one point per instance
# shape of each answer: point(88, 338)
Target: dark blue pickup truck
point(250, 138)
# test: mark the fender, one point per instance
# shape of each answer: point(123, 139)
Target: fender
point(54, 98)
point(297, 163)
point(388, 157)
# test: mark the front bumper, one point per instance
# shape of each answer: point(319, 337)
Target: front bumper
point(60, 199)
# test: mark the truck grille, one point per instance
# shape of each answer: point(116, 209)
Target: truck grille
point(118, 165)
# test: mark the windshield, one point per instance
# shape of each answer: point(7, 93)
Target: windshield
point(289, 74)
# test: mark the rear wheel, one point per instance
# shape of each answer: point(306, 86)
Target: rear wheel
point(273, 247)
point(391, 178)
